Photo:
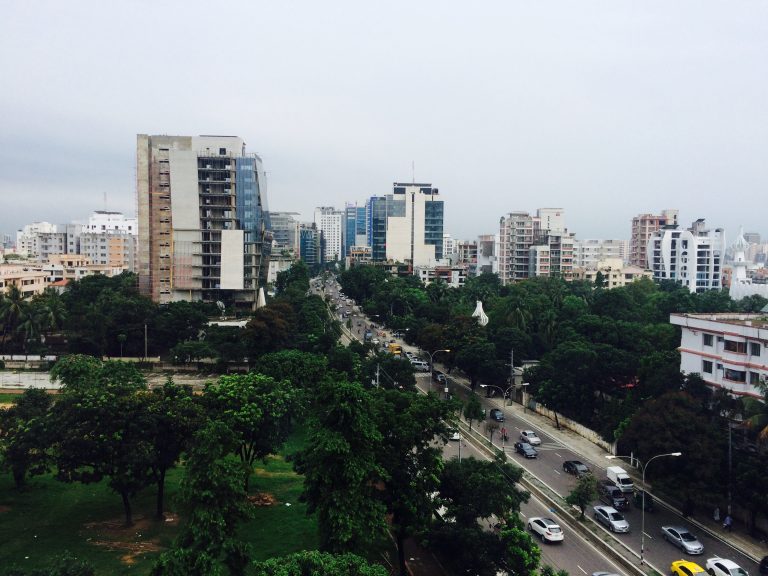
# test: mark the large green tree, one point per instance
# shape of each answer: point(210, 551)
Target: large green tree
point(24, 435)
point(318, 564)
point(341, 469)
point(257, 409)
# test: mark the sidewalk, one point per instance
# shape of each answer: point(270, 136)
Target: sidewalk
point(595, 455)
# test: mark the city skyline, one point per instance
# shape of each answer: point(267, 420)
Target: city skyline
point(606, 109)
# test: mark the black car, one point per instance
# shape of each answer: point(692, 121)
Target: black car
point(526, 450)
point(612, 495)
point(575, 467)
point(496, 415)
point(438, 376)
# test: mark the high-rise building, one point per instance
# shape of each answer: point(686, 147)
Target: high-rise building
point(285, 231)
point(202, 227)
point(354, 227)
point(415, 225)
point(376, 210)
point(328, 221)
point(487, 258)
point(587, 253)
point(449, 246)
point(534, 245)
point(309, 244)
point(643, 227)
point(692, 257)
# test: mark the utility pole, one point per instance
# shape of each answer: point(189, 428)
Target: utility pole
point(378, 368)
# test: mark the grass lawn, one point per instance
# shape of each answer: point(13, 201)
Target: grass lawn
point(50, 517)
point(8, 397)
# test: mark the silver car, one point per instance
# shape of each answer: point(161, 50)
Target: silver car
point(611, 518)
point(683, 539)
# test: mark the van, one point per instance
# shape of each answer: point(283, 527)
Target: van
point(420, 365)
point(619, 476)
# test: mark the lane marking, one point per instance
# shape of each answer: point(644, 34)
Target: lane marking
point(557, 471)
point(580, 568)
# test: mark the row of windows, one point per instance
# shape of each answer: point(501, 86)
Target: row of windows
point(732, 345)
point(731, 374)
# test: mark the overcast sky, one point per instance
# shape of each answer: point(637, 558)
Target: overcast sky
point(606, 109)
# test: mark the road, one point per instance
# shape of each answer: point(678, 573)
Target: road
point(574, 555)
point(547, 468)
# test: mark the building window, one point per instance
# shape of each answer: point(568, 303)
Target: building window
point(735, 375)
point(708, 339)
point(737, 347)
point(222, 151)
point(706, 366)
point(754, 378)
point(754, 348)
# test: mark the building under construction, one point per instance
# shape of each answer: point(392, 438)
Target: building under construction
point(201, 211)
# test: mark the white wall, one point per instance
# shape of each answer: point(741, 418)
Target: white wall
point(232, 263)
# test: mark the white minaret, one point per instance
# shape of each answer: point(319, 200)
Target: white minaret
point(739, 261)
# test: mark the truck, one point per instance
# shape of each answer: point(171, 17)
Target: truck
point(619, 476)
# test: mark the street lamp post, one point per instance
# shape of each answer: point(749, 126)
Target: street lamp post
point(431, 365)
point(645, 489)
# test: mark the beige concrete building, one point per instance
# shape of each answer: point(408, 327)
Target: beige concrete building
point(202, 232)
point(615, 273)
point(28, 279)
point(643, 227)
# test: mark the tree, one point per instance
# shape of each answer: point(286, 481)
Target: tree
point(101, 427)
point(64, 565)
point(583, 493)
point(24, 435)
point(473, 410)
point(174, 416)
point(214, 499)
point(341, 469)
point(257, 409)
point(476, 359)
point(474, 490)
point(318, 564)
point(408, 424)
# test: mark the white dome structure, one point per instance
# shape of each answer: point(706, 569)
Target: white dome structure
point(482, 318)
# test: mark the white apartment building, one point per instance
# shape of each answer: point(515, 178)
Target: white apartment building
point(692, 257)
point(588, 252)
point(28, 238)
point(330, 223)
point(449, 246)
point(487, 259)
point(534, 245)
point(414, 225)
point(728, 350)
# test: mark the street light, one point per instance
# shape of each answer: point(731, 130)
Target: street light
point(431, 365)
point(503, 392)
point(645, 489)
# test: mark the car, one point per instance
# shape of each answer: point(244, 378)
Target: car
point(496, 415)
point(611, 518)
point(454, 434)
point(438, 376)
point(724, 567)
point(546, 529)
point(530, 437)
point(420, 365)
point(575, 467)
point(526, 450)
point(685, 568)
point(611, 495)
point(683, 539)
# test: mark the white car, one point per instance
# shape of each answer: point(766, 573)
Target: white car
point(611, 518)
point(724, 567)
point(530, 437)
point(546, 528)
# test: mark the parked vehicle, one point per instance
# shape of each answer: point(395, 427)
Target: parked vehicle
point(611, 518)
point(619, 476)
point(576, 468)
point(685, 568)
point(530, 437)
point(724, 567)
point(611, 495)
point(546, 529)
point(420, 365)
point(496, 415)
point(526, 450)
point(683, 539)
point(454, 434)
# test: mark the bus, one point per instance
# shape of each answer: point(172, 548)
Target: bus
point(395, 349)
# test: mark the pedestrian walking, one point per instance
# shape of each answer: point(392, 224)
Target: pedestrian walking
point(728, 523)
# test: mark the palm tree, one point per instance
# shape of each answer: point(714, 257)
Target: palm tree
point(757, 412)
point(12, 309)
point(53, 312)
point(29, 325)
